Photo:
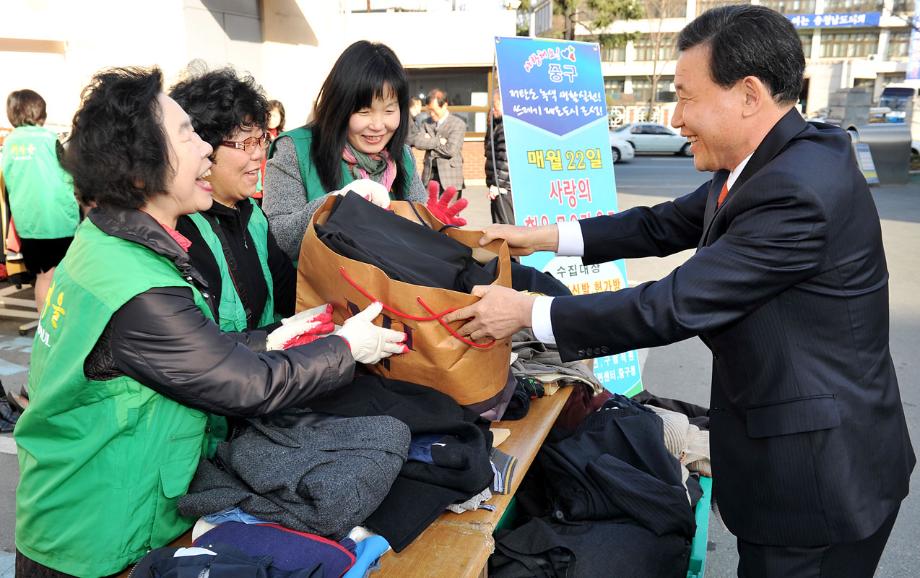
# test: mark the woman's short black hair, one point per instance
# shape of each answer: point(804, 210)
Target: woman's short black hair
point(118, 150)
point(219, 102)
point(747, 40)
point(364, 71)
point(25, 108)
point(272, 105)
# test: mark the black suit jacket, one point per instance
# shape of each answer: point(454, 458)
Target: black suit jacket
point(789, 289)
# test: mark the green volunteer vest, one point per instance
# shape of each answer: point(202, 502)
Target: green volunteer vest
point(302, 138)
point(231, 312)
point(102, 463)
point(40, 191)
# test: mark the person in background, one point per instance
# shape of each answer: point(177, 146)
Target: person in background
point(41, 195)
point(441, 137)
point(128, 370)
point(358, 132)
point(247, 273)
point(415, 118)
point(788, 288)
point(274, 128)
point(275, 119)
point(498, 179)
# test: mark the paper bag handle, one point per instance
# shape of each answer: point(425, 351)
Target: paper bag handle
point(433, 316)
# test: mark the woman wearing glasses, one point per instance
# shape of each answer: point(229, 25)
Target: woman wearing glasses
point(249, 276)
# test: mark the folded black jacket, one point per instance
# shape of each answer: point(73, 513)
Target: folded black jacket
point(414, 253)
point(616, 467)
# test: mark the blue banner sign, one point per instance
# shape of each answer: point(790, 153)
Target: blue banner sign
point(848, 20)
point(555, 119)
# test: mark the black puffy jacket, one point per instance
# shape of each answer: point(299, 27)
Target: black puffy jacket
point(162, 339)
point(496, 154)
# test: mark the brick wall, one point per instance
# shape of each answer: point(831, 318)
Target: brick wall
point(474, 162)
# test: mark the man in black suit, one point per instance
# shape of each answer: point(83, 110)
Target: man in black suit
point(788, 288)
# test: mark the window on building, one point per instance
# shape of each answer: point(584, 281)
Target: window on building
point(641, 89)
point(898, 45)
point(790, 6)
point(645, 47)
point(806, 37)
point(704, 5)
point(848, 44)
point(468, 91)
point(666, 9)
point(614, 87)
point(846, 6)
point(613, 54)
point(902, 7)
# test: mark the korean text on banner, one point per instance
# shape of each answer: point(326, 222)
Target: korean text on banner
point(555, 119)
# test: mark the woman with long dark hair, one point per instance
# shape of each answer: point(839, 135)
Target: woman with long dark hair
point(358, 132)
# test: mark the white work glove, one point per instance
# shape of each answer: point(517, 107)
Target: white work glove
point(369, 190)
point(305, 327)
point(369, 343)
point(495, 191)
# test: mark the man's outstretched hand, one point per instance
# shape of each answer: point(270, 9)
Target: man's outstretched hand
point(499, 313)
point(523, 240)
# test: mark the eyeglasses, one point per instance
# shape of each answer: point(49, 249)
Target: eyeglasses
point(248, 145)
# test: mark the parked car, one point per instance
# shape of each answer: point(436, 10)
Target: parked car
point(650, 137)
point(620, 149)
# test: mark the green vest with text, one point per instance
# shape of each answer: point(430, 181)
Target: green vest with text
point(303, 137)
point(231, 312)
point(41, 192)
point(102, 463)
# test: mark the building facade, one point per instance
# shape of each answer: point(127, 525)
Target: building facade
point(847, 44)
point(55, 46)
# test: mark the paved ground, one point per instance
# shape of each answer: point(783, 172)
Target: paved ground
point(681, 370)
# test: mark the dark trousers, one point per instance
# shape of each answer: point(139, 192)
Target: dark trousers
point(435, 176)
point(846, 560)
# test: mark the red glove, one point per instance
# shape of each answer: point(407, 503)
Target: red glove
point(441, 207)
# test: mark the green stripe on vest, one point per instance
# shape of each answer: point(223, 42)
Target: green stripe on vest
point(231, 312)
point(302, 138)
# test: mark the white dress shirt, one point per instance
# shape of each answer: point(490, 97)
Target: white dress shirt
point(572, 244)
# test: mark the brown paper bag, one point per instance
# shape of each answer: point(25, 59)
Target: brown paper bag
point(471, 373)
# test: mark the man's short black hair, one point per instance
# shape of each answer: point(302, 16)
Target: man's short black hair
point(219, 102)
point(749, 40)
point(118, 150)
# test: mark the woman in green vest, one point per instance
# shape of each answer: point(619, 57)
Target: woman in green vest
point(128, 369)
point(359, 129)
point(41, 195)
point(247, 273)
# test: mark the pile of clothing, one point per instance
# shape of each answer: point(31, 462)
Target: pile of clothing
point(327, 490)
point(609, 499)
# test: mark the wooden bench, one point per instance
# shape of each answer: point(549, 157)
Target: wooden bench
point(459, 545)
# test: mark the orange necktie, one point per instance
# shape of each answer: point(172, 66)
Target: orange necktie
point(722, 194)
